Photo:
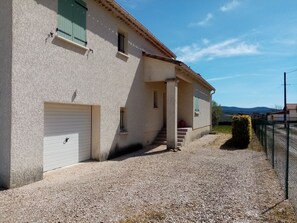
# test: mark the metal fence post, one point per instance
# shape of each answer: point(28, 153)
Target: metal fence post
point(287, 160)
point(265, 138)
point(272, 152)
point(262, 134)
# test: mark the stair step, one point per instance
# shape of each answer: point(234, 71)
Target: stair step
point(164, 137)
point(182, 133)
point(161, 138)
point(178, 129)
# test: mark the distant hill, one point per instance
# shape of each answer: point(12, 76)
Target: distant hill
point(248, 111)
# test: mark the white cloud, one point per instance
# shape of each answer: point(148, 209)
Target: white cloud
point(223, 78)
point(230, 6)
point(227, 48)
point(203, 22)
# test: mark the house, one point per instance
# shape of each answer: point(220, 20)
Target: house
point(292, 112)
point(279, 116)
point(83, 79)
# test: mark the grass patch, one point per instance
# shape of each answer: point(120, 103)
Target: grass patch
point(226, 129)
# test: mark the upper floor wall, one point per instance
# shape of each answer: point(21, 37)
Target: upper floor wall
point(41, 28)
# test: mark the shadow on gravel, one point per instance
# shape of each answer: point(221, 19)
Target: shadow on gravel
point(229, 145)
point(147, 151)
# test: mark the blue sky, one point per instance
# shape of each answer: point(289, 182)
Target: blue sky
point(242, 47)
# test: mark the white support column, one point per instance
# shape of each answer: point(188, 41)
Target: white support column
point(171, 113)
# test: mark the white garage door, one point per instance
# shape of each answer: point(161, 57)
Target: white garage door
point(67, 135)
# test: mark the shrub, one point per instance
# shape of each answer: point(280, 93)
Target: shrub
point(241, 130)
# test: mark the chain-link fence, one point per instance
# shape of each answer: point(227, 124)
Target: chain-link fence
point(279, 140)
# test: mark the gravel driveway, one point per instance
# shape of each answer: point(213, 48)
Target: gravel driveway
point(201, 183)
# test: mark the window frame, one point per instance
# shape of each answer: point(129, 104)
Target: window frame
point(196, 105)
point(155, 99)
point(121, 42)
point(123, 120)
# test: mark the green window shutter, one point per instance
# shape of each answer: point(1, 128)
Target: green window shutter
point(65, 17)
point(196, 104)
point(79, 22)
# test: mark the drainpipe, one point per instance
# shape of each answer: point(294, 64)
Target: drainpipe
point(211, 93)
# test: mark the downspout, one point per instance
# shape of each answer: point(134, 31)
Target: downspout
point(211, 93)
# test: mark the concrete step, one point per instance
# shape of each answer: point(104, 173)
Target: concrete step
point(161, 139)
point(182, 133)
point(165, 138)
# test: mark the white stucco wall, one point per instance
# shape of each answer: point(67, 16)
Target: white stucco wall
point(293, 115)
point(275, 117)
point(153, 117)
point(204, 117)
point(185, 102)
point(5, 90)
point(157, 70)
point(49, 70)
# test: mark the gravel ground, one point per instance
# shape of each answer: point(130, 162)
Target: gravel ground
point(201, 183)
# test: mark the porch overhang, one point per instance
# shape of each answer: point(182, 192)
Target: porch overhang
point(159, 68)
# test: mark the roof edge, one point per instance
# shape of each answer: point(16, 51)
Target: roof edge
point(113, 7)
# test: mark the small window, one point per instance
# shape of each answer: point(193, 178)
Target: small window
point(123, 120)
point(121, 42)
point(72, 20)
point(196, 104)
point(155, 99)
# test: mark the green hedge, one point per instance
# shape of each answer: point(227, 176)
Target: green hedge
point(241, 130)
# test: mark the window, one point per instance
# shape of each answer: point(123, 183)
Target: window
point(123, 121)
point(155, 99)
point(121, 42)
point(72, 20)
point(196, 105)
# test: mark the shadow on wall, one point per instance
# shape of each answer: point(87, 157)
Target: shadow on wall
point(125, 150)
point(147, 151)
point(204, 95)
point(135, 105)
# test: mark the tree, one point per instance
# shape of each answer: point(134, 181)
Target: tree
point(216, 113)
point(279, 107)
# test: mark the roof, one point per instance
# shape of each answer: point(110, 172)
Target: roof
point(292, 106)
point(114, 8)
point(183, 67)
point(276, 113)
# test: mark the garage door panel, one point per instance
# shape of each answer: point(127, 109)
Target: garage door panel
point(63, 122)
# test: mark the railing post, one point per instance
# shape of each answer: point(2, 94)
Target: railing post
point(272, 152)
point(287, 159)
